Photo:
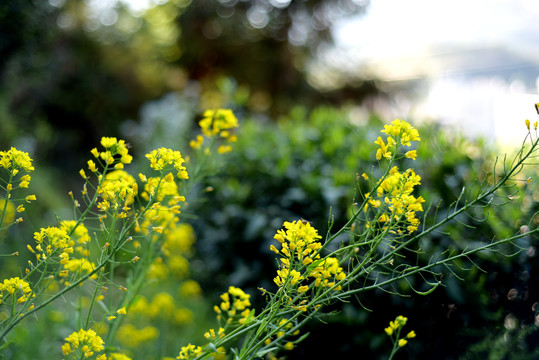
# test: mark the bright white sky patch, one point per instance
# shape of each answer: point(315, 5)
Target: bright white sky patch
point(401, 28)
point(438, 41)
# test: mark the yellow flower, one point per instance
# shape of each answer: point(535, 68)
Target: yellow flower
point(412, 154)
point(113, 147)
point(91, 166)
point(162, 158)
point(197, 144)
point(402, 342)
point(130, 336)
point(108, 142)
point(117, 190)
point(403, 130)
point(13, 160)
point(217, 122)
point(382, 151)
point(121, 311)
point(53, 240)
point(16, 285)
point(86, 340)
point(190, 288)
point(223, 149)
point(189, 352)
point(25, 180)
point(118, 356)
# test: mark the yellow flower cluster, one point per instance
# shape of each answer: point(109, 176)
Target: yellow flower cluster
point(327, 272)
point(399, 132)
point(217, 123)
point(299, 242)
point(87, 341)
point(117, 191)
point(189, 352)
point(299, 246)
point(13, 160)
point(50, 241)
point(131, 337)
point(81, 240)
point(234, 307)
point(534, 124)
point(118, 356)
point(163, 159)
point(395, 192)
point(78, 266)
point(211, 335)
point(163, 189)
point(113, 147)
point(394, 328)
point(161, 306)
point(80, 234)
point(18, 285)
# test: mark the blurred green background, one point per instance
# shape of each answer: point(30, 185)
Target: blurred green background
point(71, 72)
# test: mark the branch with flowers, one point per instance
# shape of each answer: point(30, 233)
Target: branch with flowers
point(383, 230)
point(116, 230)
point(120, 237)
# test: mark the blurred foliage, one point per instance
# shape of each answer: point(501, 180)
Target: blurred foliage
point(72, 71)
point(265, 45)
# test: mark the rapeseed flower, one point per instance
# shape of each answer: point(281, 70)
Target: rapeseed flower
point(13, 160)
point(87, 341)
point(162, 159)
point(79, 266)
point(234, 306)
point(113, 147)
point(190, 288)
point(395, 192)
point(117, 191)
point(399, 132)
point(402, 130)
point(52, 240)
point(299, 246)
point(16, 285)
point(129, 335)
point(189, 352)
point(216, 123)
point(118, 356)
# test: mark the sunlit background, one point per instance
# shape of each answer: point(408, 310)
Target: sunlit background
point(478, 61)
point(473, 65)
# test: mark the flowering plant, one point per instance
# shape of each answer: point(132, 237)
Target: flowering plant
point(119, 230)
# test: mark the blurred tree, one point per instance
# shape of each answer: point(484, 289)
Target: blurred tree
point(74, 70)
point(58, 92)
point(264, 44)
